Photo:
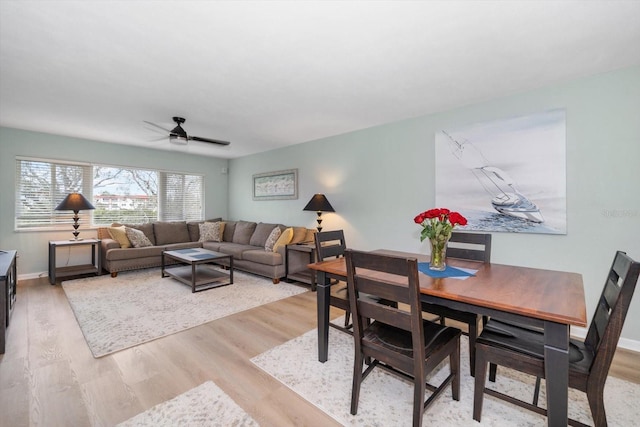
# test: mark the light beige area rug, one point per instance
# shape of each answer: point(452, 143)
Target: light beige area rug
point(203, 406)
point(386, 400)
point(140, 306)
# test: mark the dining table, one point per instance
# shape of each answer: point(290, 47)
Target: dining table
point(548, 299)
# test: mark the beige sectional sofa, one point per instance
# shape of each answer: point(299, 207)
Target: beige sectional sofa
point(245, 240)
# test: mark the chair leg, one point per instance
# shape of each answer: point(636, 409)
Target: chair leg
point(347, 319)
point(493, 368)
point(478, 392)
point(473, 335)
point(595, 396)
point(454, 363)
point(536, 392)
point(419, 389)
point(357, 381)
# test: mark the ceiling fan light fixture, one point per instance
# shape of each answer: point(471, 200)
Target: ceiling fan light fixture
point(178, 139)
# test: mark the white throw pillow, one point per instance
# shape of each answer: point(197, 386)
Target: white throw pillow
point(272, 239)
point(137, 238)
point(211, 231)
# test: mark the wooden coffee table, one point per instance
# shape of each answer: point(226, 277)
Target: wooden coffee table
point(199, 272)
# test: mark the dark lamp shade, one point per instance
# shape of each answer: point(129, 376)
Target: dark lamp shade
point(319, 203)
point(74, 202)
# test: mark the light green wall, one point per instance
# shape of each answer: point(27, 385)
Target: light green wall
point(378, 179)
point(32, 247)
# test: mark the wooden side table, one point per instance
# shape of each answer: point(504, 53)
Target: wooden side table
point(305, 275)
point(8, 282)
point(74, 270)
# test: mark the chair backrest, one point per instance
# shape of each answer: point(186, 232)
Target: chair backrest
point(330, 244)
point(389, 278)
point(611, 311)
point(471, 246)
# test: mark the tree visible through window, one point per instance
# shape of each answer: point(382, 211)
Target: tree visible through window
point(119, 194)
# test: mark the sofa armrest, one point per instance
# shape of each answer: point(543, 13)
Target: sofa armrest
point(109, 244)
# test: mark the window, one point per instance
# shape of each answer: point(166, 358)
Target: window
point(119, 194)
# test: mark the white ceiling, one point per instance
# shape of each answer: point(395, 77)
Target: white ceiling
point(268, 74)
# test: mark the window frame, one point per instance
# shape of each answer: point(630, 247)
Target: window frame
point(60, 220)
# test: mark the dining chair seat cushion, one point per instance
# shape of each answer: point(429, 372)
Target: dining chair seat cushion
point(530, 341)
point(380, 334)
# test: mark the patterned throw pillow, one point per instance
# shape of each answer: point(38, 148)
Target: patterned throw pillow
point(137, 238)
point(211, 231)
point(119, 235)
point(284, 239)
point(272, 239)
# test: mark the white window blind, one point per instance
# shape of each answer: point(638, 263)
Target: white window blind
point(41, 186)
point(119, 194)
point(181, 197)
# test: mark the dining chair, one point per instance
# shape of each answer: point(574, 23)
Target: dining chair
point(473, 247)
point(395, 337)
point(522, 349)
point(331, 244)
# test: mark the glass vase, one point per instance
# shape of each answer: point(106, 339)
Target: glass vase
point(438, 253)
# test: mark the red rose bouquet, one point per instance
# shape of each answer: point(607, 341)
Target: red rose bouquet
point(437, 225)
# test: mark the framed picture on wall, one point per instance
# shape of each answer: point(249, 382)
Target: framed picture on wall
point(278, 185)
point(506, 175)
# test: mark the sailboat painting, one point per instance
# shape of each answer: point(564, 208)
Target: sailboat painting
point(507, 175)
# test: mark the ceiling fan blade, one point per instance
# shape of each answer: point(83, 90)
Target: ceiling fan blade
point(158, 126)
point(213, 141)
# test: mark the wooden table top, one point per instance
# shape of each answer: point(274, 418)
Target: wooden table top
point(555, 296)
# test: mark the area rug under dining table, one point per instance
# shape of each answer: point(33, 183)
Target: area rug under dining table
point(140, 306)
point(386, 400)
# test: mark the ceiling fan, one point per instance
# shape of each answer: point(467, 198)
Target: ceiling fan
point(178, 135)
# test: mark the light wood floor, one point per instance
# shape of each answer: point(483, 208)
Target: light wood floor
point(48, 376)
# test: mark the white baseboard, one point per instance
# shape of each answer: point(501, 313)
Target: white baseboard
point(626, 343)
point(29, 276)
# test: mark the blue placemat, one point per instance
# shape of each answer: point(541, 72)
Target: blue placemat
point(449, 271)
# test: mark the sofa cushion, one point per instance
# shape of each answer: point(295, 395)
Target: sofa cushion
point(272, 239)
point(183, 245)
point(236, 249)
point(261, 234)
point(229, 229)
point(211, 231)
point(262, 257)
point(243, 232)
point(119, 234)
point(171, 232)
point(137, 238)
point(131, 253)
point(194, 228)
point(299, 235)
point(284, 239)
point(146, 228)
point(213, 246)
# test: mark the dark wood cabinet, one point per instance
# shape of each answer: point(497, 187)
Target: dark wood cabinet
point(8, 288)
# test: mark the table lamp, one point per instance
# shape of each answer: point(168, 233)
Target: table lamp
point(74, 202)
point(319, 203)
